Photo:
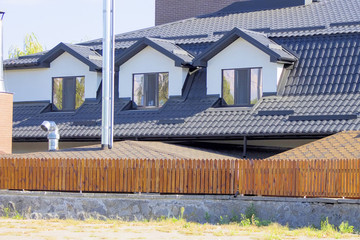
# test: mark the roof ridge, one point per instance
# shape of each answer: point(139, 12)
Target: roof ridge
point(220, 13)
point(161, 40)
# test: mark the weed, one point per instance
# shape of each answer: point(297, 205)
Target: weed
point(250, 211)
point(346, 228)
point(234, 218)
point(15, 214)
point(186, 225)
point(207, 217)
point(7, 212)
point(224, 220)
point(182, 210)
point(245, 222)
point(326, 226)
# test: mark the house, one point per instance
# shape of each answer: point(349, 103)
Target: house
point(266, 77)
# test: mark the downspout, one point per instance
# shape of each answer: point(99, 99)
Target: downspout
point(244, 147)
point(2, 84)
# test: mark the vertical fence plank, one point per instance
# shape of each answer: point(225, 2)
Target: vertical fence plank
point(166, 176)
point(211, 176)
point(161, 175)
point(120, 175)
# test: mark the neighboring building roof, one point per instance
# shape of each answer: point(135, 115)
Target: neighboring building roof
point(343, 145)
point(130, 150)
point(276, 52)
point(166, 47)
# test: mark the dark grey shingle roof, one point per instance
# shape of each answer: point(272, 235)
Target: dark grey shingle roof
point(196, 118)
point(326, 64)
point(85, 122)
point(315, 18)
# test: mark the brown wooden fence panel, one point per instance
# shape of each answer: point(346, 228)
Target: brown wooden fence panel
point(294, 178)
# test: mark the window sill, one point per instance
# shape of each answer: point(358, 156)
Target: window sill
point(146, 108)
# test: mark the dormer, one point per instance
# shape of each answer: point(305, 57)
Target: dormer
point(243, 65)
point(66, 75)
point(151, 70)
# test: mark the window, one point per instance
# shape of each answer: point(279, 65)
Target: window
point(150, 89)
point(241, 86)
point(68, 93)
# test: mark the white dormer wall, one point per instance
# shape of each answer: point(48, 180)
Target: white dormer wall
point(150, 60)
point(36, 84)
point(242, 54)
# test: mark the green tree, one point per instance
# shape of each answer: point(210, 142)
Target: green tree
point(31, 46)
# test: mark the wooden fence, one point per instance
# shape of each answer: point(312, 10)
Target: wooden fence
point(311, 178)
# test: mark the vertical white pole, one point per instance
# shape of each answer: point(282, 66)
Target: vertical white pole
point(2, 85)
point(105, 75)
point(112, 73)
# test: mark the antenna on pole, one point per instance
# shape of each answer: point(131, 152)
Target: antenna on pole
point(108, 75)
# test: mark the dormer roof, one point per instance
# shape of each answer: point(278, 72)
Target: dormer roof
point(166, 47)
point(276, 52)
point(83, 53)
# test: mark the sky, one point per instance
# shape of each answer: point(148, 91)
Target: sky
point(69, 21)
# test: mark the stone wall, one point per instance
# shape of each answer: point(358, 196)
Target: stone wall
point(296, 212)
point(173, 10)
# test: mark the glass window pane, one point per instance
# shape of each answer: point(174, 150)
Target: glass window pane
point(242, 87)
point(151, 90)
point(256, 86)
point(163, 88)
point(58, 93)
point(228, 86)
point(139, 89)
point(80, 92)
point(69, 90)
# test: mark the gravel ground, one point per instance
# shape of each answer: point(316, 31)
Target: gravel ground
point(71, 229)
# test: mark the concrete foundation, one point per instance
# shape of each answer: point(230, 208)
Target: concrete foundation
point(296, 212)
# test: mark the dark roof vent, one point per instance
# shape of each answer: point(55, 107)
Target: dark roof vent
point(259, 5)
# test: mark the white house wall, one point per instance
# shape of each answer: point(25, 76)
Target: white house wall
point(242, 54)
point(150, 60)
point(36, 84)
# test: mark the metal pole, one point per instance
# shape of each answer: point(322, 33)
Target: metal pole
point(2, 85)
point(112, 72)
point(105, 75)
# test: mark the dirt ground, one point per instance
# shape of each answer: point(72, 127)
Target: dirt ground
point(69, 229)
